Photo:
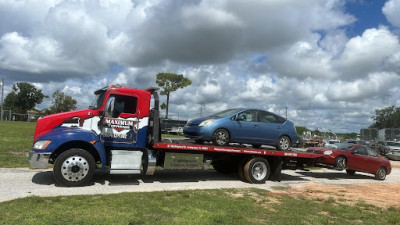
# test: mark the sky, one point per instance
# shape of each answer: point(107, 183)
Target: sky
point(332, 63)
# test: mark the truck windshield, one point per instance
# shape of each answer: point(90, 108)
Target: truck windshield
point(98, 100)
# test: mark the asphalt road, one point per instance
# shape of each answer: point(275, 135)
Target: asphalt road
point(22, 182)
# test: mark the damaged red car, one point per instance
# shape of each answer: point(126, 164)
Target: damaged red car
point(352, 158)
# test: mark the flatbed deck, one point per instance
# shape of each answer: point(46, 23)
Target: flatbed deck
point(189, 145)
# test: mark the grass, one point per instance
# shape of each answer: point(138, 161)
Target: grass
point(223, 206)
point(15, 142)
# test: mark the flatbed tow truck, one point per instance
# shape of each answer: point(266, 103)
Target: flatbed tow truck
point(120, 134)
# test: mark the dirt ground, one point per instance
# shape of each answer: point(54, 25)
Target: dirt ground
point(382, 195)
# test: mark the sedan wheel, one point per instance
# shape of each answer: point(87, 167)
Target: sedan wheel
point(340, 163)
point(380, 174)
point(283, 143)
point(221, 137)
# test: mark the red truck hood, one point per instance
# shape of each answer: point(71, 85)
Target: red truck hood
point(47, 123)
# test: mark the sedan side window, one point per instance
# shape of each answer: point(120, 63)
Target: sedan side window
point(249, 116)
point(267, 117)
point(359, 151)
point(372, 153)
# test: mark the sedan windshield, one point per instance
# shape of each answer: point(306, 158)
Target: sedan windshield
point(98, 100)
point(396, 144)
point(343, 146)
point(224, 113)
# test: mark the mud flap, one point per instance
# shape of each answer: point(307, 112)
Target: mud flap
point(276, 169)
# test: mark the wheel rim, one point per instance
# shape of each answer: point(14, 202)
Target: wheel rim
point(341, 163)
point(259, 171)
point(75, 168)
point(221, 137)
point(381, 173)
point(284, 143)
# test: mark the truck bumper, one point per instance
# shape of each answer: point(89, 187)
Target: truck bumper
point(39, 160)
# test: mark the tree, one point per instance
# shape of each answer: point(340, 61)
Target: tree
point(386, 118)
point(23, 97)
point(170, 82)
point(61, 103)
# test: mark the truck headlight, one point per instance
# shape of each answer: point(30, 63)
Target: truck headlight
point(206, 122)
point(41, 144)
point(327, 152)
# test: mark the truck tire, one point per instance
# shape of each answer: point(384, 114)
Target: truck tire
point(283, 143)
point(74, 167)
point(257, 170)
point(220, 137)
point(241, 169)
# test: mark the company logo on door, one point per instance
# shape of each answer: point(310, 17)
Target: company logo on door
point(119, 124)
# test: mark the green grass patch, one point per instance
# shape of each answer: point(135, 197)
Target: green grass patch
point(223, 206)
point(15, 142)
point(279, 188)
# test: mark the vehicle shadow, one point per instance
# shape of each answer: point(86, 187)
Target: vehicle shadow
point(339, 175)
point(162, 176)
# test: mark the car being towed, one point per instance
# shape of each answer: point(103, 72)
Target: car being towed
point(353, 157)
point(246, 126)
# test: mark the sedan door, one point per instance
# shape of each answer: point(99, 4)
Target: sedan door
point(245, 128)
point(270, 128)
point(358, 158)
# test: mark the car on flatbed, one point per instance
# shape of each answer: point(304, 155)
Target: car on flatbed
point(246, 126)
point(352, 158)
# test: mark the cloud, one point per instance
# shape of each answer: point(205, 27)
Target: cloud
point(391, 10)
point(368, 53)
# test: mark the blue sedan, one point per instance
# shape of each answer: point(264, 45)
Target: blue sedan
point(249, 126)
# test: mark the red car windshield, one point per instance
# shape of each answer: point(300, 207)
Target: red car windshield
point(343, 146)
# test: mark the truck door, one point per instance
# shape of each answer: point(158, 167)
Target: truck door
point(119, 126)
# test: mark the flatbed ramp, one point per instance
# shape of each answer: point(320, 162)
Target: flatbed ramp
point(181, 145)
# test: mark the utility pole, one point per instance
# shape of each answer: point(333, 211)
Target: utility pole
point(286, 111)
point(2, 97)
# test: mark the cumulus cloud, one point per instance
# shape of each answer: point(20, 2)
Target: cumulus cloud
point(391, 10)
point(367, 53)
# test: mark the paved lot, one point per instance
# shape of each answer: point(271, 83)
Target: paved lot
point(18, 183)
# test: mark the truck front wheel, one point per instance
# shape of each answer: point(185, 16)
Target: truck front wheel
point(74, 167)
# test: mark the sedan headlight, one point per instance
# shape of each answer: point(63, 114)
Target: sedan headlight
point(41, 144)
point(206, 122)
point(328, 152)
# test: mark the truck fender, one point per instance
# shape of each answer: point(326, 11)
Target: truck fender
point(63, 138)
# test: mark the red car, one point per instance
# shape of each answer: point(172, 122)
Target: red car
point(354, 157)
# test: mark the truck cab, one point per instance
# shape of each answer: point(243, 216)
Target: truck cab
point(112, 134)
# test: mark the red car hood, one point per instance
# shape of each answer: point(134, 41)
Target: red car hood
point(47, 123)
point(319, 150)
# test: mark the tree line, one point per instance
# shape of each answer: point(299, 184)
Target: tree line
point(388, 117)
point(25, 97)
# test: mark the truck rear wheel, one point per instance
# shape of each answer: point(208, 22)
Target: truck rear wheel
point(74, 167)
point(256, 170)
